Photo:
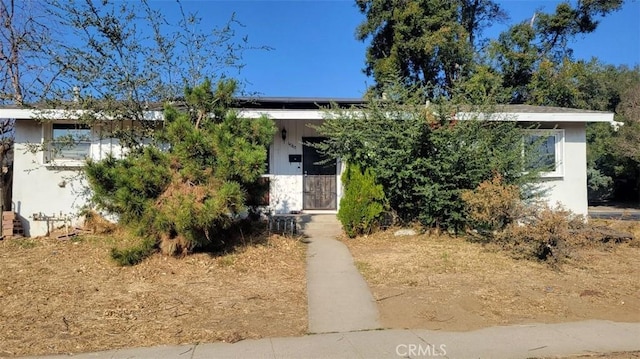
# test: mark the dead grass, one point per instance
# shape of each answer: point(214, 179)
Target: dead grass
point(440, 282)
point(97, 224)
point(70, 297)
point(632, 227)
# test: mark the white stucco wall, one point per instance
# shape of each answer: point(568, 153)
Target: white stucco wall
point(571, 189)
point(53, 191)
point(61, 191)
point(286, 190)
point(56, 191)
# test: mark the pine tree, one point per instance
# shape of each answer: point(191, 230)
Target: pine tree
point(185, 197)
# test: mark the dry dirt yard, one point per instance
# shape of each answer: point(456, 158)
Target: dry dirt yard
point(445, 283)
point(69, 297)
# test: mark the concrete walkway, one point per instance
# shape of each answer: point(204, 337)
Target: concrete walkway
point(512, 342)
point(339, 299)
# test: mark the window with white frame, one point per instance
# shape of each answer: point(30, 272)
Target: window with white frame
point(545, 152)
point(69, 142)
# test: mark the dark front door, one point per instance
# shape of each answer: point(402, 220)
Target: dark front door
point(319, 180)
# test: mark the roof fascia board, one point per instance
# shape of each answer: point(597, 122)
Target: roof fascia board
point(60, 114)
point(32, 114)
point(284, 114)
point(322, 114)
point(539, 116)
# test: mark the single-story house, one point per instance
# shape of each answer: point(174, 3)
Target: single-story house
point(49, 189)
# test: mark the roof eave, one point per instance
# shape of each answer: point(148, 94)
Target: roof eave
point(318, 114)
point(541, 117)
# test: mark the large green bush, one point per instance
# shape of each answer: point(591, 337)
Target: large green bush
point(423, 155)
point(363, 202)
point(187, 195)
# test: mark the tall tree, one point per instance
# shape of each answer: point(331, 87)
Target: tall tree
point(426, 42)
point(438, 45)
point(24, 77)
point(108, 58)
point(122, 58)
point(543, 41)
point(626, 144)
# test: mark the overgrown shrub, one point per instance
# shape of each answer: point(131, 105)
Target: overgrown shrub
point(532, 230)
point(599, 186)
point(528, 231)
point(363, 202)
point(545, 234)
point(424, 156)
point(493, 204)
point(185, 197)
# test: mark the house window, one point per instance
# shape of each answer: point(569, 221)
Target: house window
point(70, 142)
point(545, 152)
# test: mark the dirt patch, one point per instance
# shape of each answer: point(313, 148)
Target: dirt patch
point(69, 296)
point(440, 282)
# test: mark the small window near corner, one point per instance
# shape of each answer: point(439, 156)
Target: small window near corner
point(545, 152)
point(70, 142)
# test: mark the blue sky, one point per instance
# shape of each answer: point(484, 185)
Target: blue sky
point(315, 53)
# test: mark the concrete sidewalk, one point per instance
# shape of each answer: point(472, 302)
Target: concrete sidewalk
point(339, 299)
point(509, 342)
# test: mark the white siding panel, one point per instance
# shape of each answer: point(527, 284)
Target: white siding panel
point(62, 191)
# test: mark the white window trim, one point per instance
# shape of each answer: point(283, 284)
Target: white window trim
point(47, 152)
point(559, 150)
